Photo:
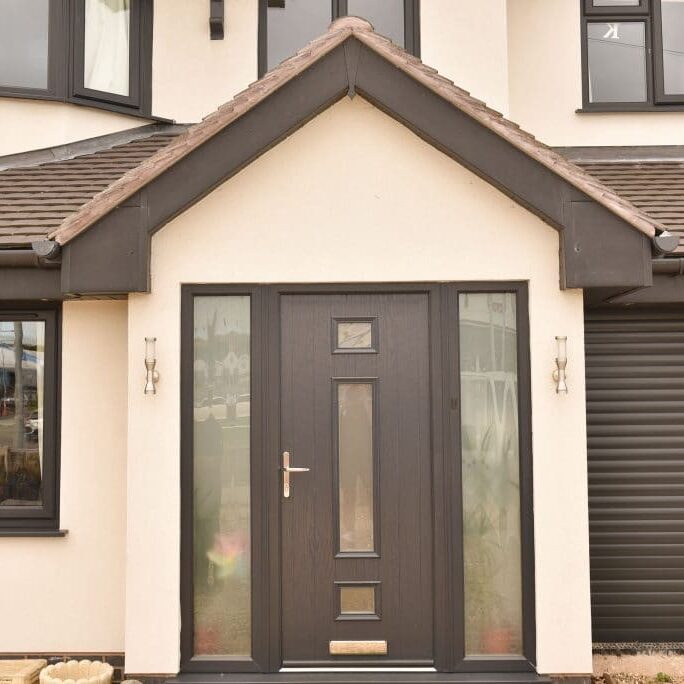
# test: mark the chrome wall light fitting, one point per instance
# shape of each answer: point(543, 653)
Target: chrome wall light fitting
point(559, 374)
point(152, 374)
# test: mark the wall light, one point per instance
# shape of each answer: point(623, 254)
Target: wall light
point(152, 375)
point(559, 375)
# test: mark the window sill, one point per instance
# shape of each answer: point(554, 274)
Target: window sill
point(629, 109)
point(28, 532)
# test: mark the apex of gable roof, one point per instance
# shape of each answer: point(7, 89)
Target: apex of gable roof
point(352, 23)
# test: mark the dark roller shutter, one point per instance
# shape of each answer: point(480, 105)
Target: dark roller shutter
point(635, 422)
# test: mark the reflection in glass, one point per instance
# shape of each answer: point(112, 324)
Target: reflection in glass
point(24, 43)
point(387, 16)
point(355, 458)
point(673, 46)
point(22, 368)
point(221, 442)
point(354, 335)
point(107, 45)
point(357, 599)
point(292, 24)
point(491, 480)
point(617, 61)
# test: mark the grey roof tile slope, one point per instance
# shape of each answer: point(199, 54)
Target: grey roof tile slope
point(36, 199)
point(655, 187)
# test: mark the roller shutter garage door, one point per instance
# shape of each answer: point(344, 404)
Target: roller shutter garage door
point(635, 423)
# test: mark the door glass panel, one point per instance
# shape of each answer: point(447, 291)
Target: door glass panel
point(24, 43)
point(22, 393)
point(387, 16)
point(357, 599)
point(616, 3)
point(221, 442)
point(490, 471)
point(616, 52)
point(292, 24)
point(354, 335)
point(107, 46)
point(673, 46)
point(355, 463)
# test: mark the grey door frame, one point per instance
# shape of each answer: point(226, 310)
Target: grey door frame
point(449, 628)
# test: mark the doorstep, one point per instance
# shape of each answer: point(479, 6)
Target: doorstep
point(350, 677)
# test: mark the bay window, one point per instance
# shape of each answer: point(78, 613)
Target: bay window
point(96, 52)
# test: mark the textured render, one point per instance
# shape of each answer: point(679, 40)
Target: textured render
point(412, 213)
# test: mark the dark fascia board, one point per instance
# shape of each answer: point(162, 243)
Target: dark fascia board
point(666, 289)
point(30, 284)
point(107, 257)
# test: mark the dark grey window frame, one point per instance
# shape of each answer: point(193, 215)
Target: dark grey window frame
point(65, 61)
point(33, 520)
point(339, 9)
point(650, 13)
point(449, 619)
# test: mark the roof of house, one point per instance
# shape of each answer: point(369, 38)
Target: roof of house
point(85, 189)
point(37, 194)
point(655, 187)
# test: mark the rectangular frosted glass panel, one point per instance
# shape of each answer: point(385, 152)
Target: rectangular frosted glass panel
point(357, 600)
point(616, 3)
point(22, 396)
point(221, 453)
point(491, 484)
point(24, 43)
point(352, 335)
point(355, 444)
point(617, 61)
point(387, 16)
point(107, 46)
point(291, 24)
point(673, 46)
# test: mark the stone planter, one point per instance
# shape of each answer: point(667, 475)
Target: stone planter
point(78, 672)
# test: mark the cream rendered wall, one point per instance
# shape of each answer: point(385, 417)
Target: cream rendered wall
point(191, 74)
point(468, 43)
point(353, 177)
point(545, 71)
point(35, 124)
point(66, 595)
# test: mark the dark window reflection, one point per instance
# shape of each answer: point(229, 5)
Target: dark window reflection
point(22, 364)
point(617, 61)
point(387, 16)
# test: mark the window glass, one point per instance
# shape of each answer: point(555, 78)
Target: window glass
point(673, 46)
point(387, 16)
point(615, 3)
point(24, 43)
point(357, 599)
point(491, 474)
point(221, 494)
point(22, 394)
point(107, 46)
point(292, 24)
point(617, 61)
point(355, 463)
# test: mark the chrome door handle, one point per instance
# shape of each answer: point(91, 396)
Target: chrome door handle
point(287, 469)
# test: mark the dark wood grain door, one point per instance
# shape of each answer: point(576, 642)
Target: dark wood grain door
point(356, 528)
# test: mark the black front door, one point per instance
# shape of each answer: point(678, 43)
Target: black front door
point(357, 573)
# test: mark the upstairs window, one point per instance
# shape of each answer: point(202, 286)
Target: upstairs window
point(95, 52)
point(285, 26)
point(633, 54)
